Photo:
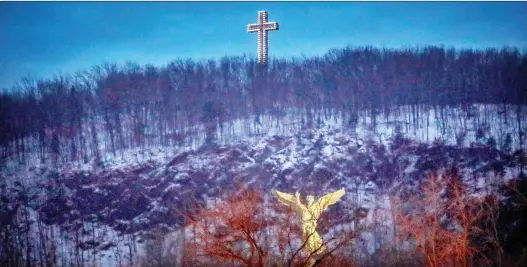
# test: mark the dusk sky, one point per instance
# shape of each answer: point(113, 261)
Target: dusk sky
point(44, 39)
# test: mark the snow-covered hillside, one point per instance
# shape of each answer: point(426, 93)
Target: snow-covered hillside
point(110, 205)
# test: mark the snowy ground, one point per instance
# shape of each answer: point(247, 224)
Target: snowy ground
point(266, 155)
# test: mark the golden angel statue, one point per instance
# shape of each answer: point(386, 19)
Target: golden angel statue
point(310, 215)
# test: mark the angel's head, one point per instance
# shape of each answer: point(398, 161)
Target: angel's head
point(310, 199)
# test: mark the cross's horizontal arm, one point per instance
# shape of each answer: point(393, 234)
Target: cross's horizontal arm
point(271, 26)
point(253, 27)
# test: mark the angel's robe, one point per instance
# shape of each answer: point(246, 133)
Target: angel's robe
point(310, 215)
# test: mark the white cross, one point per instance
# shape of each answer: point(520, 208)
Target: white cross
point(262, 27)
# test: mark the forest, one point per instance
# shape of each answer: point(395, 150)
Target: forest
point(135, 106)
point(134, 165)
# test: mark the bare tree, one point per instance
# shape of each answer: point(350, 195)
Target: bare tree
point(443, 228)
point(244, 230)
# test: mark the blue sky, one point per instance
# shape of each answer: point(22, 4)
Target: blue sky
point(42, 39)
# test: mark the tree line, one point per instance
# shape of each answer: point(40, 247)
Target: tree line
point(111, 107)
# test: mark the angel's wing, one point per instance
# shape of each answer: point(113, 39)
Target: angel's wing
point(288, 200)
point(324, 202)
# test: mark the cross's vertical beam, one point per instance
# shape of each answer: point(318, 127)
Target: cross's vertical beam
point(263, 41)
point(262, 27)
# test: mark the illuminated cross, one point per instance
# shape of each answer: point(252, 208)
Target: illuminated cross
point(262, 27)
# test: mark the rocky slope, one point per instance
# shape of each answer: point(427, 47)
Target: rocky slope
point(136, 197)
